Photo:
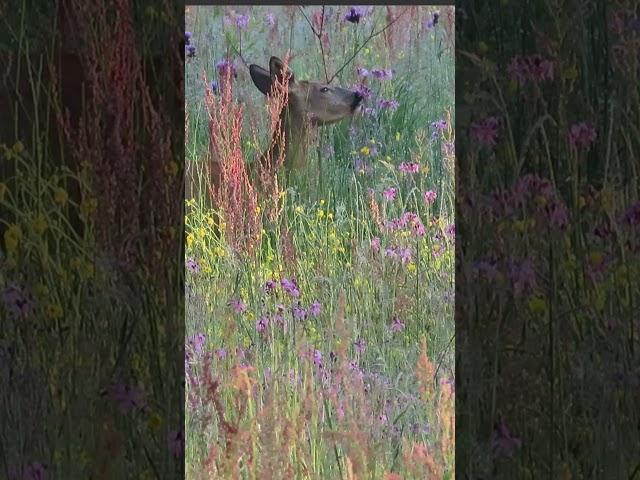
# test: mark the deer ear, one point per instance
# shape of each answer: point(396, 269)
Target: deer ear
point(276, 67)
point(261, 78)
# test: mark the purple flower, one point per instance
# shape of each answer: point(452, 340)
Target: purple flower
point(221, 353)
point(375, 244)
point(581, 135)
point(390, 252)
point(388, 104)
point(362, 166)
point(270, 19)
point(196, 342)
point(317, 358)
point(522, 276)
point(215, 88)
point(226, 67)
point(485, 131)
point(390, 193)
point(429, 197)
point(187, 37)
point(191, 50)
point(299, 313)
point(354, 15)
point(126, 397)
point(418, 228)
point(531, 68)
point(314, 308)
point(438, 126)
point(409, 167)
point(503, 442)
point(290, 287)
point(270, 286)
point(175, 441)
point(242, 21)
point(238, 305)
point(382, 74)
point(262, 324)
point(363, 90)
point(450, 230)
point(17, 301)
point(397, 325)
point(436, 17)
point(405, 255)
point(192, 265)
point(360, 345)
point(362, 72)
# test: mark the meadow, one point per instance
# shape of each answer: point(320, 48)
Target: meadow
point(319, 309)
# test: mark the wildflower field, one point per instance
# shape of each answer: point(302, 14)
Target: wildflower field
point(319, 307)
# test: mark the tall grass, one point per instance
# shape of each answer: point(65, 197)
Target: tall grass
point(324, 348)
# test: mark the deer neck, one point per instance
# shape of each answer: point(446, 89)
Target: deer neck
point(297, 136)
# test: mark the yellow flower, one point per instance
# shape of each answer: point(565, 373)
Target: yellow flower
point(88, 206)
point(320, 213)
point(18, 148)
point(210, 221)
point(202, 232)
point(330, 216)
point(398, 136)
point(60, 196)
point(190, 238)
point(367, 51)
point(282, 194)
point(321, 201)
point(154, 422)
point(537, 304)
point(483, 48)
point(258, 210)
point(219, 251)
point(411, 268)
point(12, 238)
point(223, 226)
point(595, 258)
point(54, 310)
point(298, 209)
point(3, 190)
point(39, 224)
point(571, 73)
point(41, 291)
point(364, 150)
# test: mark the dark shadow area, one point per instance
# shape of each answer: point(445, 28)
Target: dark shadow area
point(91, 240)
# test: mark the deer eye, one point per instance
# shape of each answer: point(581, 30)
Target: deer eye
point(324, 89)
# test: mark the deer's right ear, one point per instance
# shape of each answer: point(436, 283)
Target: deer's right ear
point(261, 78)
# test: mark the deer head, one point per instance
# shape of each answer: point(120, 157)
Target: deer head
point(310, 104)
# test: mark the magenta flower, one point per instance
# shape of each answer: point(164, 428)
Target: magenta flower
point(362, 72)
point(192, 265)
point(388, 104)
point(429, 197)
point(226, 67)
point(270, 19)
point(290, 287)
point(364, 91)
point(299, 313)
point(382, 74)
point(238, 305)
point(531, 68)
point(262, 324)
point(405, 255)
point(409, 167)
point(242, 21)
point(314, 308)
point(360, 345)
point(390, 193)
point(221, 353)
point(375, 244)
point(354, 15)
point(317, 358)
point(485, 131)
point(270, 286)
point(581, 135)
point(126, 397)
point(175, 441)
point(418, 229)
point(397, 325)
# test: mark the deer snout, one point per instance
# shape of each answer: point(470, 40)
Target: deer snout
point(357, 100)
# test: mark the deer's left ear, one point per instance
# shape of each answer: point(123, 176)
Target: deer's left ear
point(261, 78)
point(276, 67)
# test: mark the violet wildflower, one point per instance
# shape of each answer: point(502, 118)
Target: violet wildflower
point(317, 358)
point(532, 68)
point(34, 471)
point(299, 313)
point(382, 74)
point(436, 17)
point(191, 50)
point(354, 15)
point(419, 229)
point(363, 90)
point(270, 19)
point(196, 342)
point(175, 441)
point(192, 265)
point(438, 127)
point(221, 353)
point(390, 193)
point(238, 305)
point(405, 255)
point(360, 345)
point(485, 131)
point(409, 167)
point(362, 72)
point(450, 230)
point(270, 286)
point(503, 442)
point(126, 397)
point(187, 37)
point(362, 166)
point(388, 104)
point(314, 308)
point(581, 135)
point(215, 88)
point(390, 252)
point(262, 324)
point(375, 244)
point(290, 287)
point(242, 21)
point(226, 67)
point(429, 197)
point(397, 325)
point(17, 301)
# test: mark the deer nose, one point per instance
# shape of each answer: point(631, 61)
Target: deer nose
point(358, 98)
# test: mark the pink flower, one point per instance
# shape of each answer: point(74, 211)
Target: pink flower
point(397, 325)
point(375, 244)
point(238, 305)
point(531, 68)
point(409, 167)
point(485, 131)
point(314, 308)
point(390, 193)
point(429, 197)
point(581, 135)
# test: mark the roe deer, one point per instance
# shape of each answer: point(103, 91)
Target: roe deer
point(310, 104)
